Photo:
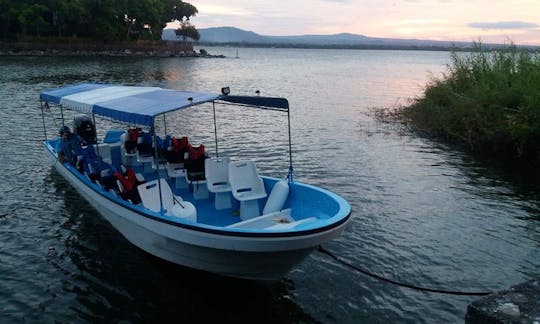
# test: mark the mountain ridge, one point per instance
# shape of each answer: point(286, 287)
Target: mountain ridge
point(233, 35)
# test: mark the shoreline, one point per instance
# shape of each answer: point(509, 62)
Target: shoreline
point(140, 49)
point(384, 47)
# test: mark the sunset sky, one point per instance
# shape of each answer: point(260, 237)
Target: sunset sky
point(453, 20)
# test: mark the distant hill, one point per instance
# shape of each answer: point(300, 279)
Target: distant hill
point(238, 37)
point(232, 35)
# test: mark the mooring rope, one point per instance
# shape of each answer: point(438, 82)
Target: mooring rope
point(401, 284)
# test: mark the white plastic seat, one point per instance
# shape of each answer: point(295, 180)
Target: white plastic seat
point(105, 153)
point(197, 184)
point(247, 187)
point(159, 164)
point(198, 187)
point(217, 181)
point(195, 174)
point(172, 205)
point(178, 172)
point(129, 159)
point(114, 152)
point(147, 162)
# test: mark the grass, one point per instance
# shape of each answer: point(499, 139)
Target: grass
point(488, 101)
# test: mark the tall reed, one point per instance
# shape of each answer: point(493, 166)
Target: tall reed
point(487, 100)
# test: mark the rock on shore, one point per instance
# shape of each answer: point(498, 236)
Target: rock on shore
point(519, 304)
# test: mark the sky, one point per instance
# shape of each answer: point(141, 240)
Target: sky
point(488, 21)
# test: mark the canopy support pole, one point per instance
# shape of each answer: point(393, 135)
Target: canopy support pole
point(43, 119)
point(290, 175)
point(156, 162)
point(164, 125)
point(215, 128)
point(100, 159)
point(62, 114)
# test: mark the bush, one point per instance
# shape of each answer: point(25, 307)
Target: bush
point(487, 100)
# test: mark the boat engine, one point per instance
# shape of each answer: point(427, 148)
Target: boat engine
point(85, 128)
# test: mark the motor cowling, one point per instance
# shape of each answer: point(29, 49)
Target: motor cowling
point(84, 128)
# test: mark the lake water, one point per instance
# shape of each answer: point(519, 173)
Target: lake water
point(423, 213)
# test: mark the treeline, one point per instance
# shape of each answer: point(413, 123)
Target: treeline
point(106, 20)
point(488, 101)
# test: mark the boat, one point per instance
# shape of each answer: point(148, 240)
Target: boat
point(178, 201)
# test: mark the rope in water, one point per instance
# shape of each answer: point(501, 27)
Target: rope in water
point(401, 284)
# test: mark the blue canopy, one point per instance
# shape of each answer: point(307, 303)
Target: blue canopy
point(268, 102)
point(140, 105)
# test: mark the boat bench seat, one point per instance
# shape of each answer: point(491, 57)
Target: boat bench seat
point(280, 220)
point(284, 226)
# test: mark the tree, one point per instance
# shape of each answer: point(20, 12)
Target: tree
point(9, 19)
point(106, 20)
point(109, 20)
point(141, 17)
point(31, 19)
point(188, 30)
point(182, 11)
point(178, 10)
point(71, 16)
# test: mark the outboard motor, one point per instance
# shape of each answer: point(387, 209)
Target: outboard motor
point(84, 128)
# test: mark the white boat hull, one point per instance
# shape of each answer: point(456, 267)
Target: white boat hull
point(260, 257)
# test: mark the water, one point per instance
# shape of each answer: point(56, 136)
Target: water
point(423, 213)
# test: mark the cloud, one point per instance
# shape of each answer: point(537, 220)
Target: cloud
point(223, 10)
point(503, 25)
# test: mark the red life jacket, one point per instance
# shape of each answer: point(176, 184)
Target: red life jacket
point(133, 134)
point(196, 153)
point(129, 181)
point(179, 145)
